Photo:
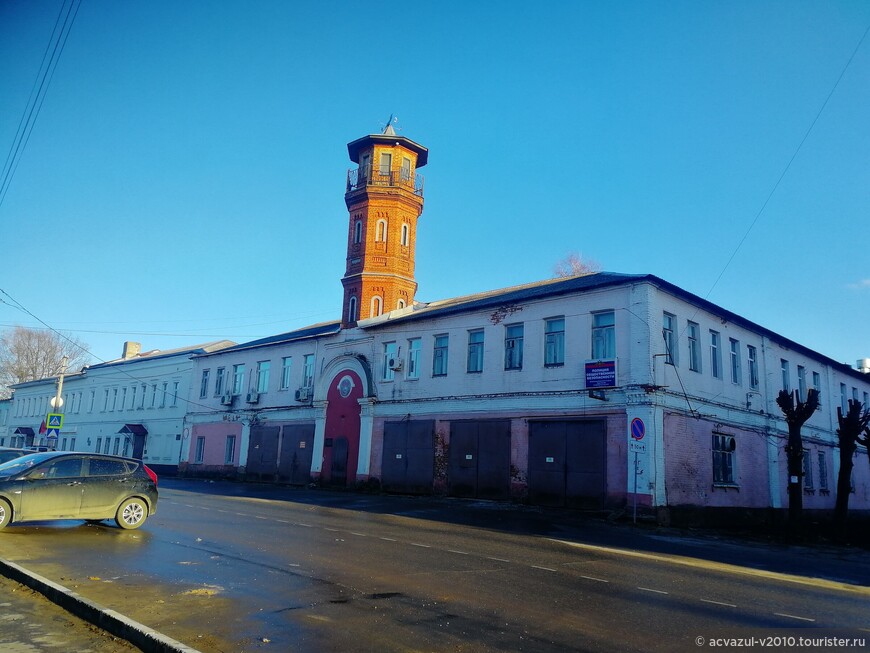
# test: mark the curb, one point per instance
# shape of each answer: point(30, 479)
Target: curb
point(139, 635)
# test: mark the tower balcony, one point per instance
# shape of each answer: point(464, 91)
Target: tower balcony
point(361, 178)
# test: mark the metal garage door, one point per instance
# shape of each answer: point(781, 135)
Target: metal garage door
point(567, 462)
point(263, 452)
point(294, 464)
point(480, 459)
point(408, 463)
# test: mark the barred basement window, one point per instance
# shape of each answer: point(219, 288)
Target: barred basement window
point(723, 458)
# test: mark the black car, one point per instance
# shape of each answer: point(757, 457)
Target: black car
point(89, 486)
point(8, 453)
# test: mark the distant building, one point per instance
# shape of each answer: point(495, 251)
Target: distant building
point(599, 391)
point(131, 406)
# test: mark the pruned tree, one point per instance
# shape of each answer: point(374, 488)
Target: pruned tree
point(796, 413)
point(855, 422)
point(575, 265)
point(30, 354)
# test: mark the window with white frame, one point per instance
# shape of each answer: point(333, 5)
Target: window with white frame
point(554, 341)
point(352, 313)
point(723, 458)
point(669, 333)
point(439, 355)
point(153, 395)
point(175, 393)
point(386, 163)
point(308, 371)
point(238, 379)
point(513, 346)
point(786, 377)
point(357, 232)
point(406, 234)
point(286, 365)
point(230, 450)
point(163, 394)
point(844, 399)
point(203, 385)
point(114, 398)
point(715, 354)
point(604, 335)
point(200, 449)
point(807, 462)
point(123, 403)
point(817, 384)
point(694, 332)
point(406, 168)
point(381, 231)
point(752, 356)
point(736, 376)
point(414, 347)
point(219, 381)
point(390, 354)
point(144, 390)
point(475, 351)
point(133, 389)
point(263, 368)
point(823, 470)
point(377, 306)
point(802, 382)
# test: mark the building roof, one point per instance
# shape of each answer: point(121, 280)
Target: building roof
point(313, 331)
point(155, 354)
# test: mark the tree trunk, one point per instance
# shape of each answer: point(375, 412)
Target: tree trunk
point(844, 489)
point(794, 456)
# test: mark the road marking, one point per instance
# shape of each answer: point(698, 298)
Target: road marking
point(462, 553)
point(331, 530)
point(729, 605)
point(497, 559)
point(599, 580)
point(647, 589)
point(388, 539)
point(425, 546)
point(358, 534)
point(791, 616)
point(722, 567)
point(258, 517)
point(305, 525)
point(543, 568)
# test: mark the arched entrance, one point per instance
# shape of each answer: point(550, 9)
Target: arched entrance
point(341, 437)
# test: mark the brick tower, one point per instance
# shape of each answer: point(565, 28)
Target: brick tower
point(384, 198)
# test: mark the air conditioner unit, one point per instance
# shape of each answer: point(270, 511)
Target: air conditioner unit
point(301, 394)
point(226, 399)
point(253, 397)
point(395, 364)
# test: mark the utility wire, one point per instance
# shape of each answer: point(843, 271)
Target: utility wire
point(55, 46)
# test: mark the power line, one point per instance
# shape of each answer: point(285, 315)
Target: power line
point(50, 58)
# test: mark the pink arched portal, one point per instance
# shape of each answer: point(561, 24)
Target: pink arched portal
point(342, 429)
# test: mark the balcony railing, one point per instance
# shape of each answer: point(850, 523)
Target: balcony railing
point(366, 176)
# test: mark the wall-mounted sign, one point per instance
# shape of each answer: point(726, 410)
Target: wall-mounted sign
point(601, 374)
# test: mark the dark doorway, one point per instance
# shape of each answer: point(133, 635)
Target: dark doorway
point(408, 463)
point(567, 463)
point(480, 459)
point(338, 468)
point(294, 464)
point(263, 452)
point(138, 446)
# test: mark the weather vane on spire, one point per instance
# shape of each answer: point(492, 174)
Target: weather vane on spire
point(388, 128)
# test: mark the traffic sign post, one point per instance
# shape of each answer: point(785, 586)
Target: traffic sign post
point(54, 421)
point(637, 430)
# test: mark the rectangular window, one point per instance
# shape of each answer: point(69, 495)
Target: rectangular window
point(133, 396)
point(414, 347)
point(715, 354)
point(153, 395)
point(723, 458)
point(694, 332)
point(604, 335)
point(286, 366)
point(389, 371)
point(203, 385)
point(116, 447)
point(735, 361)
point(752, 353)
point(669, 327)
point(786, 379)
point(219, 381)
point(174, 393)
point(238, 379)
point(123, 398)
point(263, 368)
point(513, 347)
point(439, 356)
point(554, 341)
point(308, 371)
point(200, 449)
point(230, 450)
point(802, 382)
point(475, 351)
point(406, 168)
point(807, 462)
point(105, 400)
point(817, 382)
point(867, 401)
point(844, 399)
point(142, 397)
point(386, 163)
point(114, 399)
point(823, 471)
point(99, 445)
point(163, 394)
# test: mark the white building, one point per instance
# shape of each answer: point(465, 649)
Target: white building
point(134, 405)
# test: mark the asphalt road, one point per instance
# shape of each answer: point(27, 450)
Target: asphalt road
point(232, 568)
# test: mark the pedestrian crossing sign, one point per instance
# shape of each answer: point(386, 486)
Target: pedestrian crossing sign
point(54, 421)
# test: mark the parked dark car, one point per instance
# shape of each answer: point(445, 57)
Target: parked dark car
point(63, 485)
point(8, 453)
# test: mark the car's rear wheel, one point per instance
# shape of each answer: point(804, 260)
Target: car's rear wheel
point(131, 514)
point(5, 513)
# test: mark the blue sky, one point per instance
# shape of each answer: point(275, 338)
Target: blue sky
point(184, 181)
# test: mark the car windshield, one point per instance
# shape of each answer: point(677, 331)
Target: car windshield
point(22, 464)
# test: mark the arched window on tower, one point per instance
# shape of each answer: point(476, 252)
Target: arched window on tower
point(381, 231)
point(377, 306)
point(400, 303)
point(406, 234)
point(357, 232)
point(352, 310)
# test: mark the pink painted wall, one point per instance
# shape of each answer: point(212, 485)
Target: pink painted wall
point(215, 435)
